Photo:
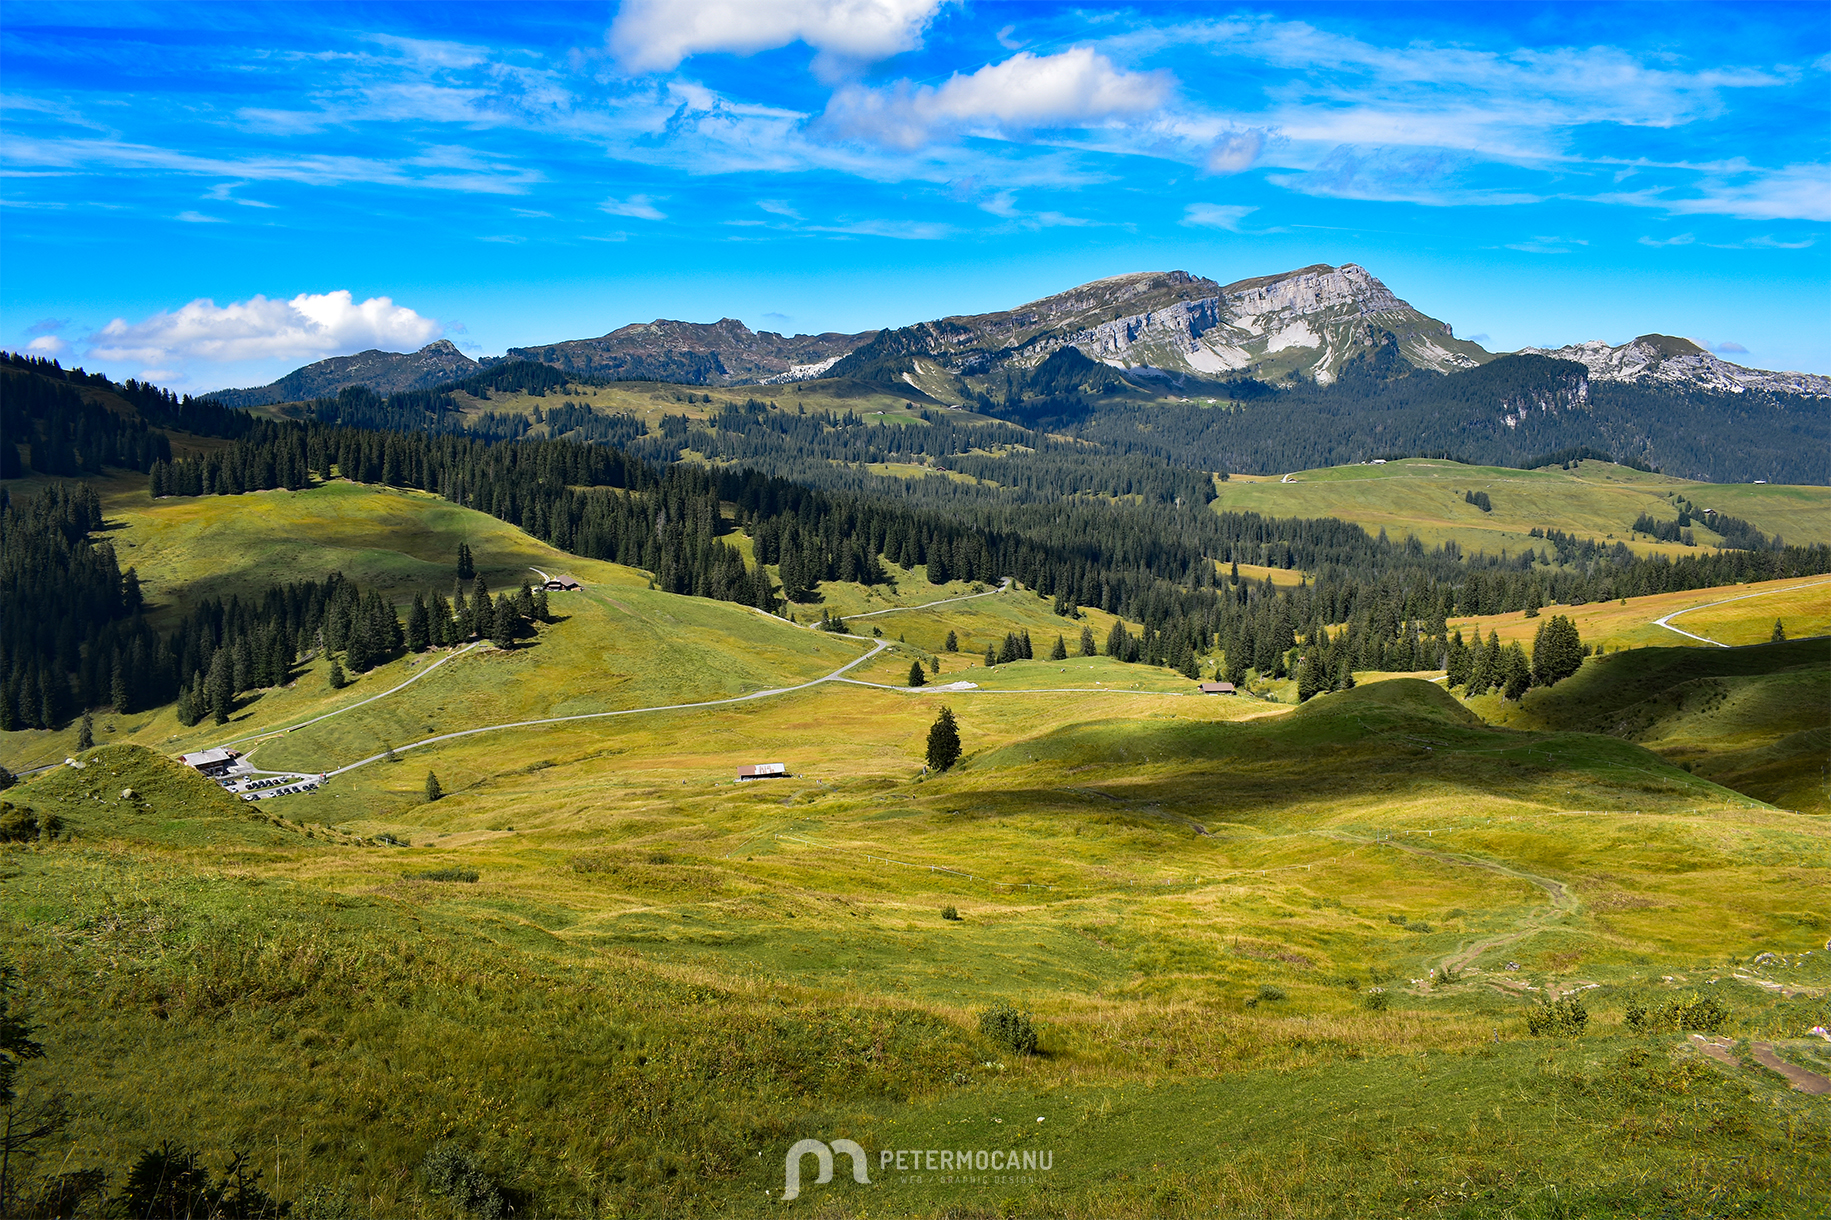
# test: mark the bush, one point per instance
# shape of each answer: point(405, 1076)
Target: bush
point(1269, 992)
point(443, 874)
point(1006, 1026)
point(18, 824)
point(949, 913)
point(1562, 1018)
point(451, 1171)
point(1376, 1000)
point(1703, 1014)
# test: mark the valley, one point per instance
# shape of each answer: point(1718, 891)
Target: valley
point(1309, 947)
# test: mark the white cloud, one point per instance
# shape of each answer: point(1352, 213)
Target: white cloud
point(198, 218)
point(638, 206)
point(1683, 239)
point(1235, 151)
point(310, 326)
point(48, 345)
point(1547, 245)
point(655, 35)
point(1078, 87)
point(1727, 349)
point(1217, 215)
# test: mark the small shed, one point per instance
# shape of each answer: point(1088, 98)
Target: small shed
point(210, 762)
point(763, 771)
point(560, 584)
point(1217, 688)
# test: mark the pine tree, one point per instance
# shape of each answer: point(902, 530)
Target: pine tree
point(953, 642)
point(1087, 642)
point(1117, 641)
point(218, 686)
point(1312, 676)
point(505, 623)
point(121, 699)
point(466, 568)
point(916, 676)
point(1779, 636)
point(544, 613)
point(1557, 651)
point(433, 791)
point(1060, 651)
point(338, 681)
point(943, 741)
point(1517, 673)
point(419, 632)
point(85, 736)
point(187, 706)
point(991, 656)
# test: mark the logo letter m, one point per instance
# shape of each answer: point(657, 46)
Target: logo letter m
point(823, 1156)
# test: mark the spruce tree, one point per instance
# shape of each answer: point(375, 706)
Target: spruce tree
point(543, 613)
point(943, 741)
point(1087, 642)
point(419, 630)
point(466, 568)
point(1779, 636)
point(505, 622)
point(433, 791)
point(121, 699)
point(953, 642)
point(1557, 651)
point(1312, 676)
point(991, 656)
point(187, 706)
point(1060, 651)
point(337, 679)
point(85, 735)
point(916, 676)
point(1517, 673)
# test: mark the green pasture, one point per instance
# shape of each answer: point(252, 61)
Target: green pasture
point(1424, 497)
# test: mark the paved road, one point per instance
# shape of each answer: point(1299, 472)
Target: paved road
point(1667, 621)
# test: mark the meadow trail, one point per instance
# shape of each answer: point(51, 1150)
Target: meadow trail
point(877, 646)
point(1563, 902)
point(1666, 622)
point(1004, 586)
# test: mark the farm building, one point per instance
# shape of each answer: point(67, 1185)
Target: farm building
point(560, 584)
point(1217, 688)
point(763, 771)
point(210, 762)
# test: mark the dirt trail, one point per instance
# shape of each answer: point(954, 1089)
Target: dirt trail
point(1801, 1079)
point(1563, 902)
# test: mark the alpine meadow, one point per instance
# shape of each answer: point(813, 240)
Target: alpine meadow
point(1050, 737)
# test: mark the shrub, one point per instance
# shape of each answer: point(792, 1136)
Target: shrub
point(1008, 1027)
point(444, 874)
point(451, 1171)
point(1268, 991)
point(1416, 925)
point(18, 824)
point(949, 913)
point(1376, 1000)
point(1704, 1014)
point(1562, 1018)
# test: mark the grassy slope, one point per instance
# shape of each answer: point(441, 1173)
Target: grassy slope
point(649, 994)
point(1594, 500)
point(1802, 606)
point(1751, 718)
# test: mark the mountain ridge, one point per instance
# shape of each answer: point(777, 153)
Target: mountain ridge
point(1151, 328)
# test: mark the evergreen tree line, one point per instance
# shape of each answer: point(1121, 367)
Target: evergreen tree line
point(67, 434)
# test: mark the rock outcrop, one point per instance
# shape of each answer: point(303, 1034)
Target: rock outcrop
point(383, 372)
point(1682, 364)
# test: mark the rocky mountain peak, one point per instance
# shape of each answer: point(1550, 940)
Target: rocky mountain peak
point(1669, 360)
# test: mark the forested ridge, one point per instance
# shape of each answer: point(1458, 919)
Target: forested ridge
point(1148, 548)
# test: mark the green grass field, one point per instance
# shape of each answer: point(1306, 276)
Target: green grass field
point(661, 978)
point(1597, 500)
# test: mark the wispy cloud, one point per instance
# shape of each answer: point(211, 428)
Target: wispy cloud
point(198, 218)
point(1683, 239)
point(1547, 245)
point(638, 206)
point(1217, 215)
point(1080, 86)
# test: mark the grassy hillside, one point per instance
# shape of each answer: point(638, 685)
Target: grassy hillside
point(1592, 500)
point(1730, 614)
point(661, 980)
point(1753, 719)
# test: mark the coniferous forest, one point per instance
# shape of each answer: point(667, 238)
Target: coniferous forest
point(1116, 528)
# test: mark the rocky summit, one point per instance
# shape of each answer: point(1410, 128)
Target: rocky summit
point(383, 372)
point(1666, 360)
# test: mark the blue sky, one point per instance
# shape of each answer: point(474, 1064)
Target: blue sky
point(211, 195)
